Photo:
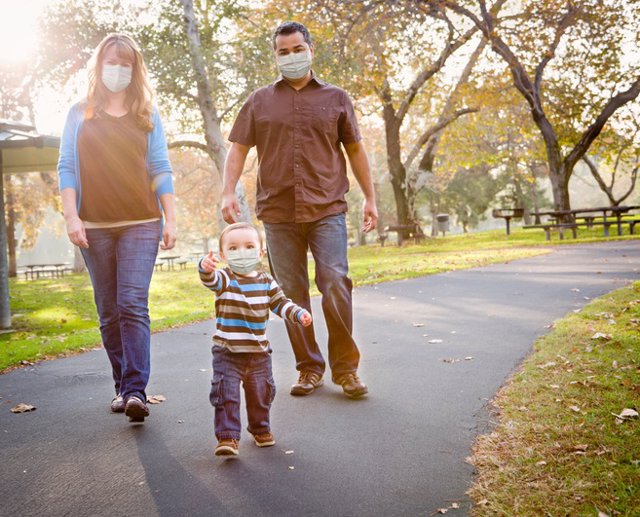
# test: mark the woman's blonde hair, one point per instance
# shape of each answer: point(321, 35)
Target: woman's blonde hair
point(139, 92)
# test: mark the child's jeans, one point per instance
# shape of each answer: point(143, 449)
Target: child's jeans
point(254, 370)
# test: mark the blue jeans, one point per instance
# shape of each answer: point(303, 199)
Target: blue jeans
point(287, 244)
point(254, 370)
point(120, 263)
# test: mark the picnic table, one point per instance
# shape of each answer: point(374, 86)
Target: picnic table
point(170, 259)
point(33, 271)
point(586, 218)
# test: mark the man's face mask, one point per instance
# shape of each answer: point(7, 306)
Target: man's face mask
point(115, 77)
point(295, 65)
point(243, 261)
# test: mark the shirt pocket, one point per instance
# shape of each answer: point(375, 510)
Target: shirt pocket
point(325, 119)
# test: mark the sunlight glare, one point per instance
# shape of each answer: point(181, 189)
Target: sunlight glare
point(18, 30)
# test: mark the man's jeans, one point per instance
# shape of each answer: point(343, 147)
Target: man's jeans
point(254, 370)
point(287, 244)
point(120, 262)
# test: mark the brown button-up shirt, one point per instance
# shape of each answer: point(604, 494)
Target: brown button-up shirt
point(302, 173)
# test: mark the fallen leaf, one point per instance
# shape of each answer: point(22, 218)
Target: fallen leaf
point(468, 358)
point(418, 324)
point(181, 421)
point(291, 467)
point(574, 408)
point(483, 502)
point(581, 447)
point(541, 463)
point(435, 341)
point(575, 290)
point(442, 510)
point(625, 414)
point(156, 399)
point(455, 506)
point(451, 360)
point(602, 514)
point(601, 335)
point(23, 408)
point(288, 452)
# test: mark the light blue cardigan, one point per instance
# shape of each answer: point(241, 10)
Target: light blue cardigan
point(158, 165)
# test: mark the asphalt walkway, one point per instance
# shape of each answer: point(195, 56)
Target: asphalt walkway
point(434, 352)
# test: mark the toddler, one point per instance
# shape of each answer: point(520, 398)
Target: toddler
point(241, 352)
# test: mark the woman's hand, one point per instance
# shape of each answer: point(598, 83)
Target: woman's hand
point(76, 232)
point(169, 233)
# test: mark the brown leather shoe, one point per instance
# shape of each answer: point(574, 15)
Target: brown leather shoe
point(117, 404)
point(136, 410)
point(227, 447)
point(307, 383)
point(351, 384)
point(264, 440)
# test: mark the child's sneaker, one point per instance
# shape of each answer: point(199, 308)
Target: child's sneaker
point(227, 447)
point(264, 440)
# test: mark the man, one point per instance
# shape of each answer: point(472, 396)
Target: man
point(297, 125)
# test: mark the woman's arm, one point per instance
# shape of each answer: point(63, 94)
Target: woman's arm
point(170, 229)
point(75, 226)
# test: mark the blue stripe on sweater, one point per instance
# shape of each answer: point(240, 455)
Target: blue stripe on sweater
point(241, 323)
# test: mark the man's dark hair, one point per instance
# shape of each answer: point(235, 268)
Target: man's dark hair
point(289, 28)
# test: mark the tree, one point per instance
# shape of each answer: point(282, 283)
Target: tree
point(619, 152)
point(589, 38)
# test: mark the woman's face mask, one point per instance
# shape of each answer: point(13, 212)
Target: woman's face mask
point(243, 261)
point(116, 77)
point(294, 65)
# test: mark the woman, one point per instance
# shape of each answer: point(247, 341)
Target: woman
point(116, 184)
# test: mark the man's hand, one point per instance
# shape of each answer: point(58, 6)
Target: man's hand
point(370, 216)
point(169, 232)
point(305, 318)
point(76, 232)
point(209, 262)
point(230, 208)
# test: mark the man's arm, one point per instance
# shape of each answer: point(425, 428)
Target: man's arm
point(233, 167)
point(360, 167)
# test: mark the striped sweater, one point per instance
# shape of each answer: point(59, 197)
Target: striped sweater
point(242, 308)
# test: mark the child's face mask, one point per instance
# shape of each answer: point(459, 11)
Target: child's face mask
point(243, 261)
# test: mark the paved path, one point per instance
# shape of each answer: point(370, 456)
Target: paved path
point(400, 452)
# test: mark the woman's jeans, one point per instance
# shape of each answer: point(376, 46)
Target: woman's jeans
point(120, 263)
point(254, 371)
point(287, 244)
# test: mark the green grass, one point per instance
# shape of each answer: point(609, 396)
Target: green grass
point(558, 449)
point(53, 317)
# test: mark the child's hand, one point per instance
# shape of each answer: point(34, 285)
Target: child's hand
point(305, 319)
point(209, 262)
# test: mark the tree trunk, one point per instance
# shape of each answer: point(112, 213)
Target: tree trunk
point(11, 228)
point(210, 121)
point(78, 262)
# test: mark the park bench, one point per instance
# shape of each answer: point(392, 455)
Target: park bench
point(562, 220)
point(400, 230)
point(182, 263)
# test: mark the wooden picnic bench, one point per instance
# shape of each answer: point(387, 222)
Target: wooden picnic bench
point(401, 230)
point(606, 217)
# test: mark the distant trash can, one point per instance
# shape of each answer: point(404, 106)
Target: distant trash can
point(442, 223)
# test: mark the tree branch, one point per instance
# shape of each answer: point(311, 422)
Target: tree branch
point(562, 27)
point(188, 143)
point(592, 132)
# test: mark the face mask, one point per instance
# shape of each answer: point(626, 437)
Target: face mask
point(115, 77)
point(294, 65)
point(243, 261)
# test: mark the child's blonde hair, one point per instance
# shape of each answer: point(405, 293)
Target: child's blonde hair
point(238, 226)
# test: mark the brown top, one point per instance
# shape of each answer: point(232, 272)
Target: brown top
point(302, 173)
point(113, 171)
